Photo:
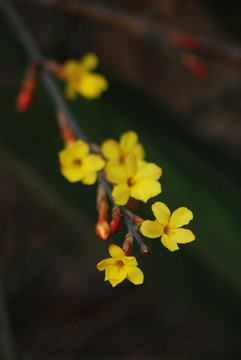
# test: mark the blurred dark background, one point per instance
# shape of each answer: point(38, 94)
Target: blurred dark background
point(54, 303)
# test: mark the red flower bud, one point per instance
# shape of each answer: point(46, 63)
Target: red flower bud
point(115, 225)
point(25, 97)
point(137, 219)
point(145, 250)
point(23, 101)
point(102, 229)
point(184, 41)
point(128, 244)
point(65, 130)
point(196, 67)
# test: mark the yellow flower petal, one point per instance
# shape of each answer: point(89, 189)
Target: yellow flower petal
point(70, 91)
point(135, 275)
point(116, 252)
point(130, 261)
point(169, 242)
point(146, 189)
point(104, 263)
point(139, 151)
point(116, 174)
point(79, 149)
point(115, 272)
point(180, 217)
point(128, 141)
point(137, 192)
point(72, 174)
point(115, 282)
point(131, 164)
point(65, 157)
point(151, 229)
point(121, 194)
point(95, 162)
point(92, 85)
point(182, 236)
point(111, 149)
point(89, 61)
point(89, 178)
point(161, 212)
point(149, 171)
point(70, 68)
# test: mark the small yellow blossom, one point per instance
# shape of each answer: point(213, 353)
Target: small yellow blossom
point(81, 80)
point(137, 181)
point(116, 152)
point(76, 164)
point(120, 267)
point(168, 227)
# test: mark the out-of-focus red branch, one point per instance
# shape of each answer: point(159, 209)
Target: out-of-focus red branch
point(139, 26)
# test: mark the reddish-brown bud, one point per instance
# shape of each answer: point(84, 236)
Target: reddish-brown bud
point(137, 219)
point(184, 41)
point(65, 130)
point(127, 246)
point(102, 229)
point(102, 226)
point(196, 67)
point(26, 95)
point(115, 224)
point(56, 68)
point(145, 250)
point(101, 201)
point(23, 101)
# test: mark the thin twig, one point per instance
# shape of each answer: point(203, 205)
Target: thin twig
point(152, 30)
point(129, 223)
point(35, 54)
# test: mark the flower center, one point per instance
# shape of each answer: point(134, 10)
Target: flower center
point(119, 264)
point(122, 158)
point(130, 181)
point(77, 162)
point(167, 229)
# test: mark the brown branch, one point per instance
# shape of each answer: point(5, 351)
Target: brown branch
point(34, 52)
point(140, 27)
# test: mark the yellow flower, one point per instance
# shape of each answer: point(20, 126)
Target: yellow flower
point(168, 227)
point(81, 80)
point(120, 267)
point(78, 165)
point(116, 152)
point(137, 181)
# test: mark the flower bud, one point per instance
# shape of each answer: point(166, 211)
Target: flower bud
point(23, 101)
point(145, 250)
point(65, 130)
point(115, 224)
point(56, 68)
point(196, 66)
point(25, 97)
point(103, 229)
point(184, 41)
point(127, 246)
point(137, 219)
point(101, 201)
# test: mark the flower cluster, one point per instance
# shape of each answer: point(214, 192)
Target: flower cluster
point(79, 77)
point(124, 174)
